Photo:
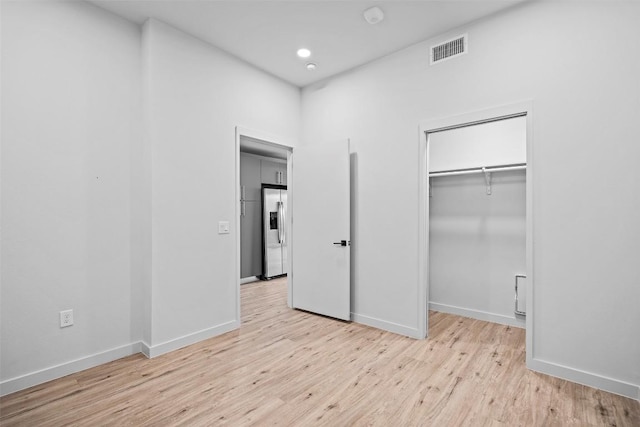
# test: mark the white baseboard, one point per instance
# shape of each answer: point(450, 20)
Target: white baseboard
point(38, 377)
point(174, 344)
point(477, 314)
point(611, 385)
point(145, 349)
point(387, 326)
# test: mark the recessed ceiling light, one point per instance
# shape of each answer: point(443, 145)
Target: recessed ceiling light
point(304, 53)
point(311, 66)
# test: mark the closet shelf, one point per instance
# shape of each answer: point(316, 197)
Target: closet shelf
point(501, 168)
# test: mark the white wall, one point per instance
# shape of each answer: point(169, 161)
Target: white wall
point(477, 245)
point(70, 111)
point(196, 96)
point(118, 161)
point(579, 64)
point(498, 143)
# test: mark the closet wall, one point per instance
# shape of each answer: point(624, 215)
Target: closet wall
point(477, 245)
point(477, 241)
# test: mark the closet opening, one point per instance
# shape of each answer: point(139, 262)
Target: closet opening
point(476, 218)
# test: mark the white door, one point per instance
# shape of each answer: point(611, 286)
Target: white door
point(320, 264)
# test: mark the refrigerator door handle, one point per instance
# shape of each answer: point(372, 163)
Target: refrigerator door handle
point(282, 223)
point(279, 222)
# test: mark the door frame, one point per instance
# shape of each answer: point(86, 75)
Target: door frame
point(274, 141)
point(430, 126)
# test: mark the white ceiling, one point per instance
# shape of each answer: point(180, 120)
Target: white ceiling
point(268, 33)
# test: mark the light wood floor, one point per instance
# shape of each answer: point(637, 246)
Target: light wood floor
point(286, 367)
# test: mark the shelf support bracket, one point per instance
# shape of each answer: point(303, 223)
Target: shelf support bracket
point(487, 180)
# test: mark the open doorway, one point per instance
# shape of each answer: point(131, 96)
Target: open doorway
point(322, 237)
point(262, 226)
point(477, 218)
point(475, 237)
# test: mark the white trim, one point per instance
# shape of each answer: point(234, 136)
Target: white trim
point(269, 139)
point(145, 349)
point(58, 371)
point(176, 343)
point(477, 314)
point(290, 228)
point(236, 224)
point(610, 385)
point(423, 236)
point(385, 325)
point(529, 233)
point(517, 109)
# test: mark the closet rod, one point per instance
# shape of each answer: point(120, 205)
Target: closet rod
point(512, 167)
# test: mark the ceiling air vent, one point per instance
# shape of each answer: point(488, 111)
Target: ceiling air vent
point(449, 49)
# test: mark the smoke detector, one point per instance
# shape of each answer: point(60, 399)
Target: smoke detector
point(373, 15)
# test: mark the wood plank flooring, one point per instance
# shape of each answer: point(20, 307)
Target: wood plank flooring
point(286, 367)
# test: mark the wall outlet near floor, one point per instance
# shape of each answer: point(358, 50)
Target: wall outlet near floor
point(66, 318)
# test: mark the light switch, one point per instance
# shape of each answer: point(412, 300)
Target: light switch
point(223, 227)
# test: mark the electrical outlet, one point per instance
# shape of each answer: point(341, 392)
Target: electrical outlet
point(66, 318)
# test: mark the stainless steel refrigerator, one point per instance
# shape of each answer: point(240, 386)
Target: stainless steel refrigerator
point(274, 200)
